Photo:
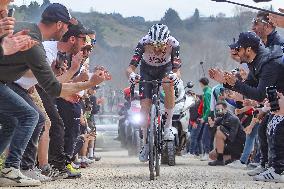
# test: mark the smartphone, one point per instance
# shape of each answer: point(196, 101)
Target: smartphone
point(60, 59)
point(272, 96)
point(11, 12)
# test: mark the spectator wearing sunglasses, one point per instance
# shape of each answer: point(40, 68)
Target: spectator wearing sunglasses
point(266, 30)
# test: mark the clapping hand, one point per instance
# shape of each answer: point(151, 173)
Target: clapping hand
point(217, 75)
point(230, 78)
point(277, 20)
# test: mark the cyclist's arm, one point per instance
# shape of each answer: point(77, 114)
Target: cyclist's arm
point(130, 69)
point(177, 71)
point(175, 59)
point(135, 59)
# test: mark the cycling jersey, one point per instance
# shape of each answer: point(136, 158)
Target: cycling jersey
point(146, 53)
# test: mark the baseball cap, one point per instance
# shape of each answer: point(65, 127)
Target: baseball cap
point(57, 12)
point(76, 30)
point(247, 39)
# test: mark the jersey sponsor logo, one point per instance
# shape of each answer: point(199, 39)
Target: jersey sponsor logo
point(157, 60)
point(136, 58)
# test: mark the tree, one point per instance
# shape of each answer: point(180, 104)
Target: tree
point(172, 19)
point(196, 16)
point(91, 9)
point(194, 20)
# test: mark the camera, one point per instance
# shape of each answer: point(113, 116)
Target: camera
point(60, 59)
point(273, 98)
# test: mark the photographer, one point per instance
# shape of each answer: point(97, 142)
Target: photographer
point(229, 136)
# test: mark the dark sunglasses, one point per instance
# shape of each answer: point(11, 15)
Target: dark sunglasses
point(257, 20)
point(84, 38)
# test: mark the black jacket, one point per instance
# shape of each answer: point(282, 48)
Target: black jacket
point(274, 39)
point(265, 70)
point(230, 125)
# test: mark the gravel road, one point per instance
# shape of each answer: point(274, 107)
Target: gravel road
point(117, 170)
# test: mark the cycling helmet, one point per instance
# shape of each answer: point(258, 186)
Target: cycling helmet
point(159, 33)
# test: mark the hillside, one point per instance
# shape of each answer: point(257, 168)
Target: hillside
point(203, 39)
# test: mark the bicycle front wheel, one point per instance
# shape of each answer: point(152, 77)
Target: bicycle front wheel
point(151, 142)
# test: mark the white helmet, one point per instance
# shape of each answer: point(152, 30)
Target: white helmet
point(159, 33)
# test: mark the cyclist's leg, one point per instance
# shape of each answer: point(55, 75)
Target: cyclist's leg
point(145, 109)
point(169, 105)
point(145, 90)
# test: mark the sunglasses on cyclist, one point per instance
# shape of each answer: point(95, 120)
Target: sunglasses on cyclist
point(159, 45)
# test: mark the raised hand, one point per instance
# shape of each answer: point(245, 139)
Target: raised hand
point(217, 75)
point(230, 78)
point(14, 43)
point(76, 61)
point(7, 26)
point(277, 20)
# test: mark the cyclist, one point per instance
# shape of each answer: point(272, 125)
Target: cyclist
point(158, 53)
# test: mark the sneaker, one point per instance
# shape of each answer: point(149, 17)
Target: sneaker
point(76, 166)
point(144, 153)
point(268, 176)
point(205, 157)
point(13, 177)
point(252, 166)
point(36, 175)
point(97, 158)
point(189, 155)
point(216, 163)
point(84, 165)
point(86, 160)
point(72, 173)
point(53, 173)
point(196, 156)
point(237, 165)
point(169, 133)
point(259, 169)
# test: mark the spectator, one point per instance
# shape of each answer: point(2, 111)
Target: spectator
point(265, 70)
point(266, 30)
point(275, 132)
point(12, 68)
point(206, 136)
point(71, 43)
point(195, 141)
point(12, 43)
point(229, 136)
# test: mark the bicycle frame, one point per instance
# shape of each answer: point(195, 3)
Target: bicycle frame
point(154, 136)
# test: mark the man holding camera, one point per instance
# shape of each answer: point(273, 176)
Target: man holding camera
point(229, 136)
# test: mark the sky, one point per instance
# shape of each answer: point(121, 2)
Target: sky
point(155, 9)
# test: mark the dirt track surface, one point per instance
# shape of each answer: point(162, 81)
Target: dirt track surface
point(117, 170)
